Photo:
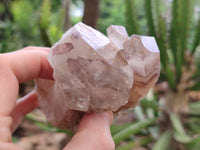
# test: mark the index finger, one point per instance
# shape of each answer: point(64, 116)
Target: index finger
point(29, 63)
point(17, 67)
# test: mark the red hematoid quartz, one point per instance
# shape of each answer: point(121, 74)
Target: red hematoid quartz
point(93, 72)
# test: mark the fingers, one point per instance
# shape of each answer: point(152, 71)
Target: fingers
point(8, 91)
point(9, 123)
point(20, 66)
point(5, 133)
point(93, 133)
point(16, 67)
point(9, 146)
point(29, 63)
point(24, 106)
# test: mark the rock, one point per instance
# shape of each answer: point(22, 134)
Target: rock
point(117, 35)
point(96, 73)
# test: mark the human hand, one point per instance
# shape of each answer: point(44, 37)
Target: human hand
point(27, 64)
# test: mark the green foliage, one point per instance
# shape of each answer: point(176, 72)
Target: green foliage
point(149, 104)
point(45, 14)
point(135, 143)
point(186, 20)
point(196, 41)
point(149, 15)
point(194, 144)
point(45, 21)
point(161, 37)
point(174, 42)
point(117, 128)
point(194, 108)
point(196, 86)
point(180, 26)
point(111, 12)
point(131, 17)
point(56, 25)
point(160, 34)
point(30, 22)
point(179, 132)
point(18, 9)
point(163, 141)
point(132, 129)
point(51, 23)
point(175, 35)
point(2, 8)
point(46, 126)
point(19, 29)
point(6, 30)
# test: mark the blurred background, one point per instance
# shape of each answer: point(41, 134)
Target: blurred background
point(169, 117)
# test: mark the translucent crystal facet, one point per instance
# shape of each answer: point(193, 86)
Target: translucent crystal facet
point(93, 72)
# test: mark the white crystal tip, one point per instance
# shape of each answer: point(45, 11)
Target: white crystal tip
point(150, 43)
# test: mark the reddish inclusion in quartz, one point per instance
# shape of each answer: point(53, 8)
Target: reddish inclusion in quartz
point(63, 48)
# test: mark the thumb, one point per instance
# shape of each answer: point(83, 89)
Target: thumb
point(93, 133)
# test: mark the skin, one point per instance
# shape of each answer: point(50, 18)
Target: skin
point(27, 64)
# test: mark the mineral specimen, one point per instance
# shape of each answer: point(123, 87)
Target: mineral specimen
point(93, 72)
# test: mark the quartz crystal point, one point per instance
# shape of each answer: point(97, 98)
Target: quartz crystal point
point(93, 72)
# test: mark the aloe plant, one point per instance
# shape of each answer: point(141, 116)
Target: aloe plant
point(177, 45)
point(196, 41)
point(45, 21)
point(131, 17)
point(132, 129)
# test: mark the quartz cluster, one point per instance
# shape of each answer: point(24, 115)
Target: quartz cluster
point(93, 72)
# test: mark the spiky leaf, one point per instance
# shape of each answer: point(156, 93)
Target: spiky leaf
point(131, 17)
point(45, 14)
point(132, 129)
point(163, 141)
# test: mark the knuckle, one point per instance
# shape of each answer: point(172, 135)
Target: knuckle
point(28, 48)
point(5, 121)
